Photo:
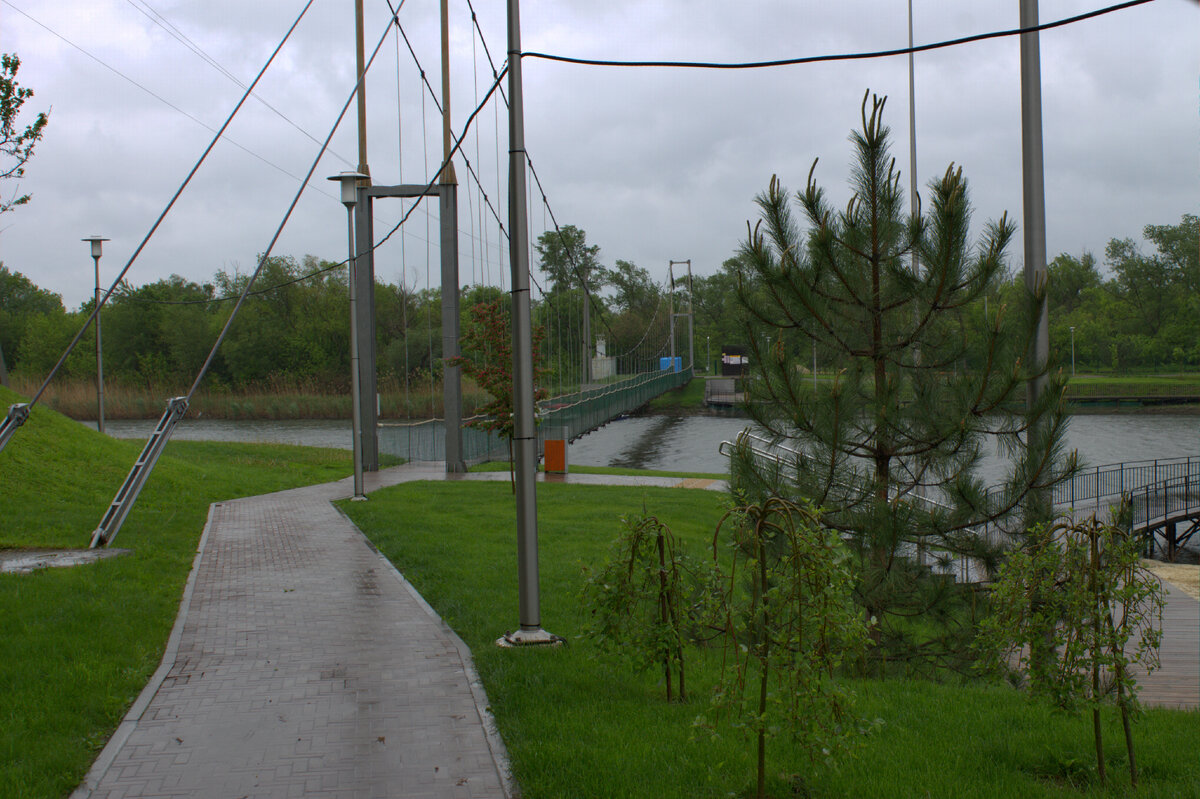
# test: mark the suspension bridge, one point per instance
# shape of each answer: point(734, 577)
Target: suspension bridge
point(584, 388)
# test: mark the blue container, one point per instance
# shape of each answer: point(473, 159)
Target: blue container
point(664, 364)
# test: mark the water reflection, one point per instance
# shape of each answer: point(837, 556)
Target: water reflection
point(690, 443)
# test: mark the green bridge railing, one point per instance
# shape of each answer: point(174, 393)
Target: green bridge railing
point(565, 417)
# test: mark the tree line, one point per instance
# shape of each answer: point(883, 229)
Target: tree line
point(1139, 314)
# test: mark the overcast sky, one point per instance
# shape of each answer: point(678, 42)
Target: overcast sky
point(655, 164)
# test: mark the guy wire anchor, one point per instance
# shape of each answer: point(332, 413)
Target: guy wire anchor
point(127, 495)
point(17, 414)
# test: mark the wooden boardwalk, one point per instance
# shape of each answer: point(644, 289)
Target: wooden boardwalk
point(1177, 683)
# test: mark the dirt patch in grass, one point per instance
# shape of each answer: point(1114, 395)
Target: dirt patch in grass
point(1185, 577)
point(24, 561)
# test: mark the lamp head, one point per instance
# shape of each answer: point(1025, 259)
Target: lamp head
point(96, 244)
point(349, 181)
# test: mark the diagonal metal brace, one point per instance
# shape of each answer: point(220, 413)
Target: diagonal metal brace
point(123, 502)
point(17, 414)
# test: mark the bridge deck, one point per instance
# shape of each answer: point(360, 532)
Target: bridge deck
point(1177, 683)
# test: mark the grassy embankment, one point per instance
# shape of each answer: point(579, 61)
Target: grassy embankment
point(77, 645)
point(577, 726)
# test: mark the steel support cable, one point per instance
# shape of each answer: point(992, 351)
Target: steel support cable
point(262, 262)
point(217, 137)
point(437, 103)
point(437, 175)
point(175, 33)
point(148, 91)
point(570, 255)
point(787, 62)
point(124, 296)
point(432, 181)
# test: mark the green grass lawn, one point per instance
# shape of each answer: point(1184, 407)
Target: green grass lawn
point(578, 726)
point(77, 645)
point(689, 396)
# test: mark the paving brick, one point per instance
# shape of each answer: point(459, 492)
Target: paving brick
point(300, 651)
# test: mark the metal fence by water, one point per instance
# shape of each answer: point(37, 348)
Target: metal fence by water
point(567, 417)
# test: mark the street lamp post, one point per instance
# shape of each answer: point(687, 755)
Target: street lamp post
point(97, 244)
point(349, 181)
point(1072, 350)
point(708, 364)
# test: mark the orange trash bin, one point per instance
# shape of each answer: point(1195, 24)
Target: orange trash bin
point(556, 456)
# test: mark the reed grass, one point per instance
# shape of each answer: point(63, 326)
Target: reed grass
point(278, 398)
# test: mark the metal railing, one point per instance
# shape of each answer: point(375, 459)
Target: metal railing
point(1160, 491)
point(1114, 480)
point(776, 454)
point(569, 416)
point(1170, 500)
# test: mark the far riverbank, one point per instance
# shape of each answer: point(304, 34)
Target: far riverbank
point(1087, 395)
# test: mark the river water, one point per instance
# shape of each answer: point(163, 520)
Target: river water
point(689, 443)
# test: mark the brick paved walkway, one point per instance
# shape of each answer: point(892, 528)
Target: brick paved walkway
point(303, 664)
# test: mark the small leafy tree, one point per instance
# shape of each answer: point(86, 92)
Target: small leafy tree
point(637, 601)
point(790, 622)
point(487, 358)
point(16, 144)
point(1079, 586)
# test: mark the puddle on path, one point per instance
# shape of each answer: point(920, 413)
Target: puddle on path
point(24, 561)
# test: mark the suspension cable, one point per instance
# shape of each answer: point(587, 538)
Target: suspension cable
point(103, 300)
point(787, 62)
point(287, 215)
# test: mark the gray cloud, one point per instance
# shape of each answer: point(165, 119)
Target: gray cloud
point(654, 164)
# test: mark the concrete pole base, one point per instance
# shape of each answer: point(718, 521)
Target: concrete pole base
point(538, 637)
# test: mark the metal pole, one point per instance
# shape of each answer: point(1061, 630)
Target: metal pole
point(585, 374)
point(1072, 350)
point(364, 274)
point(524, 433)
point(1033, 184)
point(1039, 507)
point(691, 323)
point(671, 312)
point(97, 244)
point(99, 354)
point(912, 129)
point(451, 375)
point(360, 62)
point(355, 390)
point(364, 267)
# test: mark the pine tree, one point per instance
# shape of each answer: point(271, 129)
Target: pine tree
point(893, 437)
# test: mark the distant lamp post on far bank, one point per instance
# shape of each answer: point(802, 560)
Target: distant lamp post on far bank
point(349, 181)
point(1072, 350)
point(97, 244)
